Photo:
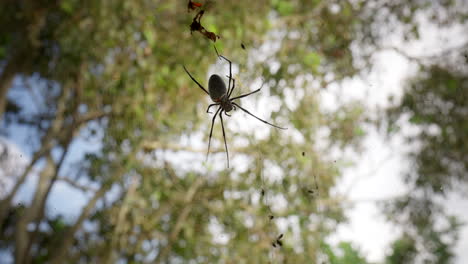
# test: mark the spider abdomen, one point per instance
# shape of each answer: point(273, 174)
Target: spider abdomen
point(216, 87)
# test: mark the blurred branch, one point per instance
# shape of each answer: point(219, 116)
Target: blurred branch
point(72, 91)
point(180, 219)
point(370, 173)
point(48, 143)
point(422, 58)
point(314, 14)
point(35, 97)
point(155, 145)
point(376, 199)
point(37, 119)
point(402, 53)
point(65, 148)
point(91, 116)
point(22, 232)
point(54, 132)
point(60, 253)
point(13, 65)
point(115, 244)
point(76, 185)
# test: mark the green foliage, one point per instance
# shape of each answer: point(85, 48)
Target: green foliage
point(118, 68)
point(344, 253)
point(435, 102)
point(68, 6)
point(313, 61)
point(284, 8)
point(403, 251)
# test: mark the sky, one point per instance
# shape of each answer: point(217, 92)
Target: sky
point(377, 174)
point(377, 170)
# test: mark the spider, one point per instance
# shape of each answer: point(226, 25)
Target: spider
point(222, 97)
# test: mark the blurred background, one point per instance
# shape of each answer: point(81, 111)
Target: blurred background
point(103, 136)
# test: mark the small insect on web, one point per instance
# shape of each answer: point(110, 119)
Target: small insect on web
point(193, 5)
point(278, 241)
point(196, 24)
point(222, 98)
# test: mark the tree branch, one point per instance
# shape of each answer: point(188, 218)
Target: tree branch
point(22, 236)
point(155, 145)
point(180, 219)
point(421, 59)
point(48, 143)
point(111, 258)
point(59, 254)
point(76, 185)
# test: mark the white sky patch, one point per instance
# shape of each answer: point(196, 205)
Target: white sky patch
point(278, 203)
point(12, 162)
point(378, 172)
point(217, 232)
point(375, 177)
point(456, 205)
point(66, 201)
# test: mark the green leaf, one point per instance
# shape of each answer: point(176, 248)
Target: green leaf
point(2, 52)
point(452, 85)
point(416, 119)
point(150, 37)
point(312, 60)
point(67, 6)
point(285, 8)
point(359, 132)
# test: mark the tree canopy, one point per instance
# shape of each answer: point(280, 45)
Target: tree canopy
point(107, 109)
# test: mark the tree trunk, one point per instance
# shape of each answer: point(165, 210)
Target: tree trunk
point(47, 144)
point(61, 252)
point(115, 244)
point(24, 49)
point(22, 235)
point(6, 80)
point(164, 252)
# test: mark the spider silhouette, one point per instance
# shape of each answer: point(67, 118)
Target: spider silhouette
point(222, 97)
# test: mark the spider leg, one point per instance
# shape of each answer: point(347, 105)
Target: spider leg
point(208, 109)
point(224, 137)
point(211, 132)
point(244, 95)
point(226, 113)
point(233, 85)
point(193, 79)
point(247, 94)
point(230, 71)
point(257, 117)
